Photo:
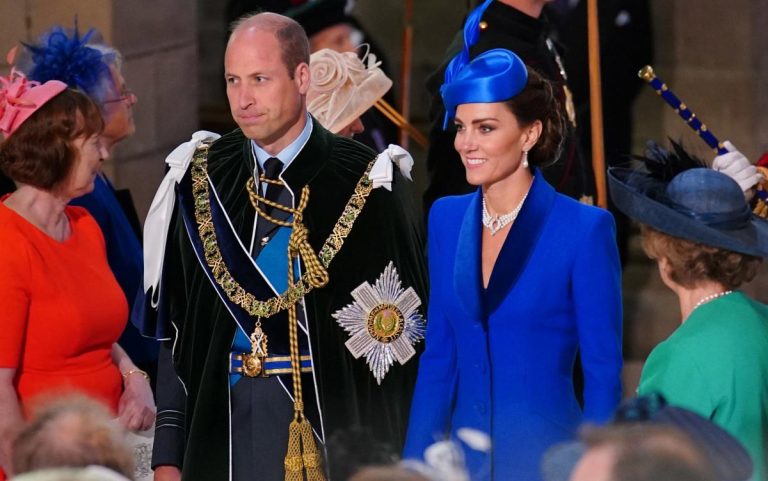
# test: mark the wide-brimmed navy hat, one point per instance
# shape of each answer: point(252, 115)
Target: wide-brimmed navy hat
point(730, 460)
point(700, 205)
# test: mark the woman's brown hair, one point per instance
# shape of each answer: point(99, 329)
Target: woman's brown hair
point(537, 101)
point(691, 263)
point(40, 152)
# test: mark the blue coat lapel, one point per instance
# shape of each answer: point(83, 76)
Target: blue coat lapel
point(467, 273)
point(520, 242)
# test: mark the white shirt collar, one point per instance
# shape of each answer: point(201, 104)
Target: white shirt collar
point(289, 153)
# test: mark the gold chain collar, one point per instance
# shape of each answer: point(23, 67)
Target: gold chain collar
point(234, 291)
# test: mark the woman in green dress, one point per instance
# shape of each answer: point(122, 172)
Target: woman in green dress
point(698, 227)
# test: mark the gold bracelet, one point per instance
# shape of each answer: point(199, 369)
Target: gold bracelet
point(135, 371)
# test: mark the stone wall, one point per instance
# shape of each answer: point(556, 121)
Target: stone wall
point(712, 54)
point(158, 41)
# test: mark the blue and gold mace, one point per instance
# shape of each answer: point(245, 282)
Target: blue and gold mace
point(646, 73)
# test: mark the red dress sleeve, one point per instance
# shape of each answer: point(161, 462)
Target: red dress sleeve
point(15, 282)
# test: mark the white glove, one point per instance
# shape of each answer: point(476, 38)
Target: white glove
point(736, 166)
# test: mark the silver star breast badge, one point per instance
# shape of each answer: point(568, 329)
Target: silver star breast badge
point(383, 322)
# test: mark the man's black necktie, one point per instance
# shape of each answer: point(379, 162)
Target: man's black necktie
point(272, 169)
point(275, 193)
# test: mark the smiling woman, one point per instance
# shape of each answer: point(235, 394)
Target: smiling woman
point(515, 269)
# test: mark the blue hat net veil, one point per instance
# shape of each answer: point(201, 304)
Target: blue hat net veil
point(65, 55)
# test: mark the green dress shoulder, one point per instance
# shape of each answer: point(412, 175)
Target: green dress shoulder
point(716, 364)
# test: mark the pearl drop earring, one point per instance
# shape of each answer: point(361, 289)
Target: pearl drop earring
point(525, 159)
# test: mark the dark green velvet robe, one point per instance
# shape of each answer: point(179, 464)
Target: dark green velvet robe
point(388, 229)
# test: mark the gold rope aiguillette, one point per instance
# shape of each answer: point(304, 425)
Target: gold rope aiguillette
point(303, 456)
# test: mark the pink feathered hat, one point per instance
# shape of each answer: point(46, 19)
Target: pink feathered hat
point(20, 98)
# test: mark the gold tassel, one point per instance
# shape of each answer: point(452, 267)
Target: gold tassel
point(302, 456)
point(294, 464)
point(311, 456)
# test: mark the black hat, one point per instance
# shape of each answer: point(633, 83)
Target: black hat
point(238, 8)
point(318, 15)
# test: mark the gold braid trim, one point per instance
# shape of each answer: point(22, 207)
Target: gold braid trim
point(308, 281)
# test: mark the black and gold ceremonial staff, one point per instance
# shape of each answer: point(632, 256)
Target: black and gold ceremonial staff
point(662, 89)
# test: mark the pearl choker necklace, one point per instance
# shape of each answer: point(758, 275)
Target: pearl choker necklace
point(497, 222)
point(710, 297)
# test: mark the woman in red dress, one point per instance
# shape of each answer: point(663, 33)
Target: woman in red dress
point(62, 309)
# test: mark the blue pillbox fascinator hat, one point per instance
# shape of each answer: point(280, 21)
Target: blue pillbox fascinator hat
point(493, 76)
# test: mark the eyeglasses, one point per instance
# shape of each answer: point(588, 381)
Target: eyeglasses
point(125, 94)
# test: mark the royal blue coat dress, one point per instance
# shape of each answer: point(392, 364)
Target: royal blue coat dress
point(500, 360)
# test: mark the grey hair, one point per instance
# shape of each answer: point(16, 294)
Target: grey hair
point(114, 57)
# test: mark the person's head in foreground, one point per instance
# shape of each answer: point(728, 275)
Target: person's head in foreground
point(50, 136)
point(649, 440)
point(508, 121)
point(85, 63)
point(266, 69)
point(386, 473)
point(640, 453)
point(90, 473)
point(74, 431)
point(343, 88)
point(698, 227)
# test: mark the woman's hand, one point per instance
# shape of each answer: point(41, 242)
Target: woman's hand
point(10, 416)
point(136, 409)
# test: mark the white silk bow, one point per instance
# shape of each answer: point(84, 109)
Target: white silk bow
point(161, 211)
point(381, 172)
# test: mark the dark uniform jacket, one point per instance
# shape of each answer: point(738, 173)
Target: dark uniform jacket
point(201, 328)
